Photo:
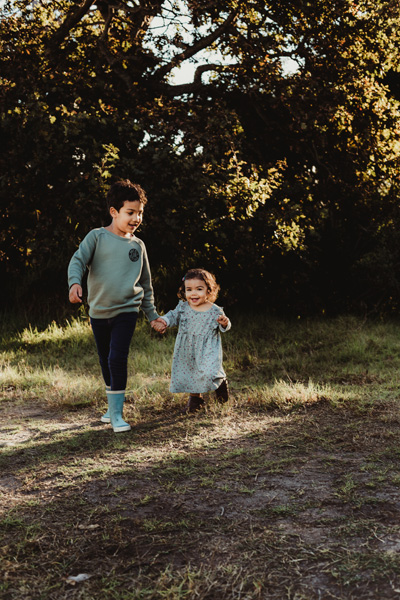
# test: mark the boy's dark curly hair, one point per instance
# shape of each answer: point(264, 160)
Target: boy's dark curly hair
point(208, 278)
point(125, 191)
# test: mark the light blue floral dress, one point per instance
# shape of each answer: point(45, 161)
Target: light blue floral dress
point(197, 362)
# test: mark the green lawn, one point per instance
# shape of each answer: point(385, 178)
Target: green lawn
point(290, 491)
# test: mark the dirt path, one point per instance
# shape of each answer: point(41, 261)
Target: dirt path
point(232, 503)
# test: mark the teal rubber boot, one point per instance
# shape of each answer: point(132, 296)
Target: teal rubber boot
point(115, 406)
point(106, 417)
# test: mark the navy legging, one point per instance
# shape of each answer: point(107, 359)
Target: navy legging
point(113, 338)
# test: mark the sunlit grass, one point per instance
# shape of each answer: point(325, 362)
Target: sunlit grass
point(59, 363)
point(287, 395)
point(269, 362)
point(74, 332)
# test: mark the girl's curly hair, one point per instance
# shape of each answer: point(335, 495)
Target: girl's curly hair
point(208, 278)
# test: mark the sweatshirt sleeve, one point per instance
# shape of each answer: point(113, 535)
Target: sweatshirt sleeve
point(145, 281)
point(81, 259)
point(172, 317)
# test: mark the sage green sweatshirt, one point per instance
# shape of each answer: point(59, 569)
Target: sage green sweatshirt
point(119, 278)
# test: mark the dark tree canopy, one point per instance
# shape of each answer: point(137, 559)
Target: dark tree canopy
point(276, 165)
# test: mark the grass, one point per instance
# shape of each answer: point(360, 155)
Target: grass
point(290, 491)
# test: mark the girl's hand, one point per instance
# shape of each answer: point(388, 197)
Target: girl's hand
point(159, 325)
point(75, 293)
point(223, 321)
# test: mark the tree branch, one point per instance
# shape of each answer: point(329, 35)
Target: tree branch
point(107, 23)
point(70, 21)
point(193, 86)
point(202, 69)
point(197, 46)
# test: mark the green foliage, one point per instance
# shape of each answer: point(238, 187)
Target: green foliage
point(283, 182)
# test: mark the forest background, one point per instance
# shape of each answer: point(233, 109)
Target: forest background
point(276, 166)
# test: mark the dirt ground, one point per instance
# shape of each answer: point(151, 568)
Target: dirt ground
point(235, 502)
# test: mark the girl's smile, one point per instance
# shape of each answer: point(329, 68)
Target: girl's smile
point(196, 294)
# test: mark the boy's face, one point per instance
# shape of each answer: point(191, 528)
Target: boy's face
point(127, 219)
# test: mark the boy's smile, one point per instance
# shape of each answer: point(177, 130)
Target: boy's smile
point(127, 219)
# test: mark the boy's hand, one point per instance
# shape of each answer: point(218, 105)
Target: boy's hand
point(223, 320)
point(75, 293)
point(159, 325)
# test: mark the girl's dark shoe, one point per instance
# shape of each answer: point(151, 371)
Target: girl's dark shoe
point(194, 404)
point(222, 392)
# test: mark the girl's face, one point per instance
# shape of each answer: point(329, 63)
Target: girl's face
point(196, 292)
point(127, 219)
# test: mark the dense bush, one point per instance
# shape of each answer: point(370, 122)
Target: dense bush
point(283, 182)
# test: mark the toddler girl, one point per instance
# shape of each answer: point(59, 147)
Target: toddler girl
point(197, 361)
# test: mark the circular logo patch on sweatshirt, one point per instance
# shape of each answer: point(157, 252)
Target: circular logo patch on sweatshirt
point(133, 254)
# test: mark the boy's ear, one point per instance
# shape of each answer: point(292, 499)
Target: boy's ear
point(113, 211)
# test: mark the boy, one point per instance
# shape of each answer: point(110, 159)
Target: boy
point(119, 284)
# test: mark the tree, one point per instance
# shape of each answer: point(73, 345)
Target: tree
point(276, 179)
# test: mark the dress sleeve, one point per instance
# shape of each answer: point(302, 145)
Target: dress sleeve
point(227, 328)
point(173, 317)
point(220, 312)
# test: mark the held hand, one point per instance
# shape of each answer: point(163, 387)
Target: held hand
point(159, 325)
point(223, 320)
point(75, 293)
